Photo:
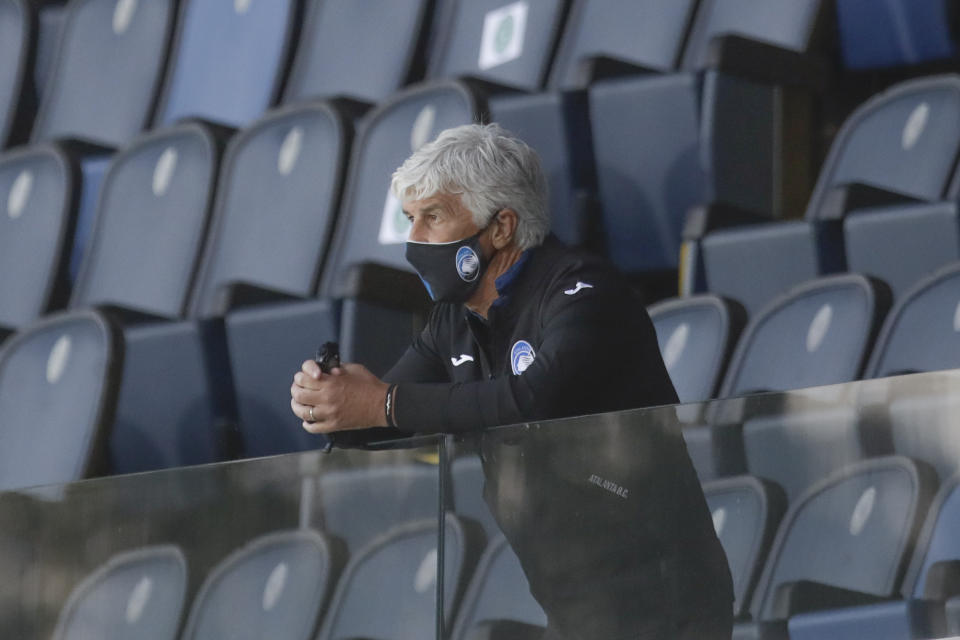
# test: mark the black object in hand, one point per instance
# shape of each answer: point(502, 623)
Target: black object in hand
point(328, 356)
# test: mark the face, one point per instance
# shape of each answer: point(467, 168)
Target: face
point(439, 218)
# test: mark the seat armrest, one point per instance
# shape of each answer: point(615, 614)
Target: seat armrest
point(943, 580)
point(765, 62)
point(127, 316)
point(385, 286)
point(237, 295)
point(842, 199)
point(591, 69)
point(704, 218)
point(804, 596)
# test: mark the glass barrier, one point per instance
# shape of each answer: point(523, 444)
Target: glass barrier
point(819, 513)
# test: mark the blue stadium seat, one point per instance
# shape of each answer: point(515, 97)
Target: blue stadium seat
point(920, 333)
point(39, 193)
point(557, 127)
point(359, 505)
point(498, 599)
point(58, 389)
point(275, 586)
point(845, 541)
point(229, 60)
point(895, 33)
point(818, 333)
point(106, 76)
point(399, 572)
point(508, 43)
point(696, 337)
point(385, 40)
point(18, 34)
point(746, 512)
point(136, 595)
point(899, 146)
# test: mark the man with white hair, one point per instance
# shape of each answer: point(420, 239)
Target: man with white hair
point(524, 328)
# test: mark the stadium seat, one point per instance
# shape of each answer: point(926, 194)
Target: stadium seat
point(50, 19)
point(899, 146)
point(920, 334)
point(229, 60)
point(746, 512)
point(711, 136)
point(895, 33)
point(390, 495)
point(275, 586)
point(818, 333)
point(466, 476)
point(385, 40)
point(508, 43)
point(58, 389)
point(696, 336)
point(39, 194)
point(399, 572)
point(105, 79)
point(18, 34)
point(557, 127)
point(844, 542)
point(136, 595)
point(499, 599)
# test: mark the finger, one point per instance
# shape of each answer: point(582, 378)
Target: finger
point(312, 369)
point(300, 410)
point(307, 382)
point(308, 397)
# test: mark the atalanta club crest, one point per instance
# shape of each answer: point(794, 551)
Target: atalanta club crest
point(521, 356)
point(468, 264)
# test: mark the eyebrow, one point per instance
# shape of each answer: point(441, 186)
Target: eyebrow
point(429, 209)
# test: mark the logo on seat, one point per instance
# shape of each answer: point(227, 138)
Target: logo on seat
point(426, 575)
point(819, 327)
point(502, 38)
point(522, 356)
point(290, 151)
point(394, 226)
point(719, 519)
point(123, 15)
point(675, 345)
point(422, 129)
point(916, 124)
point(241, 6)
point(19, 194)
point(275, 585)
point(163, 172)
point(861, 512)
point(468, 264)
point(138, 600)
point(57, 362)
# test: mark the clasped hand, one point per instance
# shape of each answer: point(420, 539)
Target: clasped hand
point(349, 397)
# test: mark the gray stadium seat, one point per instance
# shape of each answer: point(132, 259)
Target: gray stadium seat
point(107, 72)
point(902, 145)
point(399, 573)
point(846, 541)
point(58, 388)
point(466, 477)
point(498, 599)
point(275, 586)
point(696, 337)
point(746, 512)
point(818, 333)
point(229, 60)
point(136, 595)
point(385, 39)
point(508, 43)
point(18, 34)
point(920, 333)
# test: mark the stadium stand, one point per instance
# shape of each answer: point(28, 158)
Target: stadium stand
point(274, 587)
point(137, 594)
point(18, 33)
point(62, 370)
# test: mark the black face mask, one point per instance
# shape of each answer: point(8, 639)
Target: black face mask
point(451, 271)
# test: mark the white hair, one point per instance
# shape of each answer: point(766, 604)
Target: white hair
point(489, 168)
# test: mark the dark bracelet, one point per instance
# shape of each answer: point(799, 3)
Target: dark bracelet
point(388, 406)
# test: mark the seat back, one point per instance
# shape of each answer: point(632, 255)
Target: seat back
point(398, 572)
point(904, 140)
point(647, 33)
point(39, 192)
point(853, 530)
point(58, 386)
point(275, 586)
point(229, 60)
point(371, 226)
point(696, 336)
point(746, 512)
point(894, 33)
point(937, 541)
point(790, 24)
point(384, 38)
point(503, 41)
point(818, 333)
point(18, 34)
point(104, 83)
point(136, 595)
point(278, 195)
point(150, 223)
point(497, 591)
point(920, 333)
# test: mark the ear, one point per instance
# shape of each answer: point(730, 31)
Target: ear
point(504, 226)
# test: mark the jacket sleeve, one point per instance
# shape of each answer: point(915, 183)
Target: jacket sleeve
point(598, 353)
